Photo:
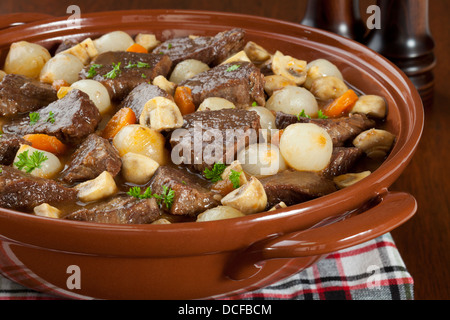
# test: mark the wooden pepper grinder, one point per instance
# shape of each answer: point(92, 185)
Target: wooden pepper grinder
point(339, 16)
point(404, 37)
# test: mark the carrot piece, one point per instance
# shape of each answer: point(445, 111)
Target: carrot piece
point(137, 48)
point(276, 138)
point(45, 142)
point(121, 119)
point(341, 105)
point(183, 99)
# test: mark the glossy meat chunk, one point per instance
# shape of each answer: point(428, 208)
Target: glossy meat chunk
point(191, 196)
point(119, 210)
point(239, 82)
point(75, 117)
point(94, 156)
point(20, 94)
point(210, 50)
point(22, 191)
point(120, 72)
point(9, 145)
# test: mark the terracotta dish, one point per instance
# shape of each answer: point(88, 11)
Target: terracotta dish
point(221, 258)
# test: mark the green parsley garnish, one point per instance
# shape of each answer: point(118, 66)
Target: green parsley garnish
point(321, 115)
point(92, 70)
point(34, 117)
point(254, 104)
point(166, 197)
point(30, 163)
point(114, 72)
point(169, 46)
point(143, 76)
point(303, 115)
point(215, 174)
point(233, 67)
point(136, 192)
point(235, 178)
point(51, 117)
point(137, 65)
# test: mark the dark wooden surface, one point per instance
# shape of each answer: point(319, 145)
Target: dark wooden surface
point(424, 241)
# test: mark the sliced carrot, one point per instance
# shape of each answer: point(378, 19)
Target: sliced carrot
point(183, 99)
point(45, 142)
point(341, 105)
point(137, 48)
point(121, 119)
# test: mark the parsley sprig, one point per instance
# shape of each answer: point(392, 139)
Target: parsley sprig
point(139, 65)
point(233, 67)
point(34, 117)
point(166, 197)
point(51, 117)
point(92, 70)
point(235, 178)
point(215, 174)
point(30, 163)
point(114, 72)
point(303, 115)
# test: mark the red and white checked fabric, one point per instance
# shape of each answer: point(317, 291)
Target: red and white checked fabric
point(371, 271)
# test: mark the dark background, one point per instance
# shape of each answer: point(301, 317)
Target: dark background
point(424, 241)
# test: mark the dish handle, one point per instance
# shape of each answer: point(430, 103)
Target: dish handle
point(393, 209)
point(15, 19)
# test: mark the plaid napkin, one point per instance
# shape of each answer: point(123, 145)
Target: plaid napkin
point(370, 271)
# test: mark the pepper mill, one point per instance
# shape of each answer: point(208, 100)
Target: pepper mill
point(338, 16)
point(404, 38)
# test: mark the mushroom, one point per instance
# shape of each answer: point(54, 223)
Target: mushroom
point(320, 68)
point(219, 213)
point(161, 221)
point(280, 205)
point(46, 210)
point(101, 187)
point(148, 41)
point(375, 143)
point(85, 51)
point(289, 67)
point(256, 53)
point(275, 82)
point(349, 179)
point(161, 114)
point(328, 88)
point(164, 84)
point(138, 168)
point(216, 103)
point(240, 56)
point(371, 105)
point(249, 198)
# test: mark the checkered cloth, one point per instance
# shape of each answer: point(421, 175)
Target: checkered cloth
point(370, 271)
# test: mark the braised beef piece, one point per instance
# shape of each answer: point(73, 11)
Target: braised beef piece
point(119, 210)
point(22, 191)
point(121, 71)
point(94, 156)
point(9, 144)
point(75, 117)
point(66, 44)
point(342, 160)
point(340, 129)
point(294, 187)
point(213, 136)
point(210, 50)
point(20, 94)
point(191, 195)
point(239, 82)
point(139, 96)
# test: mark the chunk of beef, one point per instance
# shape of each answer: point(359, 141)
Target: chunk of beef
point(9, 144)
point(76, 116)
point(139, 96)
point(342, 160)
point(20, 94)
point(119, 210)
point(21, 191)
point(211, 137)
point(210, 50)
point(66, 44)
point(94, 156)
point(339, 129)
point(131, 69)
point(294, 187)
point(239, 82)
point(191, 195)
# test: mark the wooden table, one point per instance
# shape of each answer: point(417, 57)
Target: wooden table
point(424, 241)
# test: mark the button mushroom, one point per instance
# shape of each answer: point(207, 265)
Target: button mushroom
point(164, 84)
point(138, 168)
point(289, 67)
point(256, 53)
point(375, 143)
point(46, 210)
point(148, 41)
point(161, 114)
point(328, 88)
point(85, 51)
point(349, 179)
point(99, 188)
point(320, 68)
point(275, 82)
point(249, 198)
point(219, 213)
point(240, 56)
point(371, 105)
